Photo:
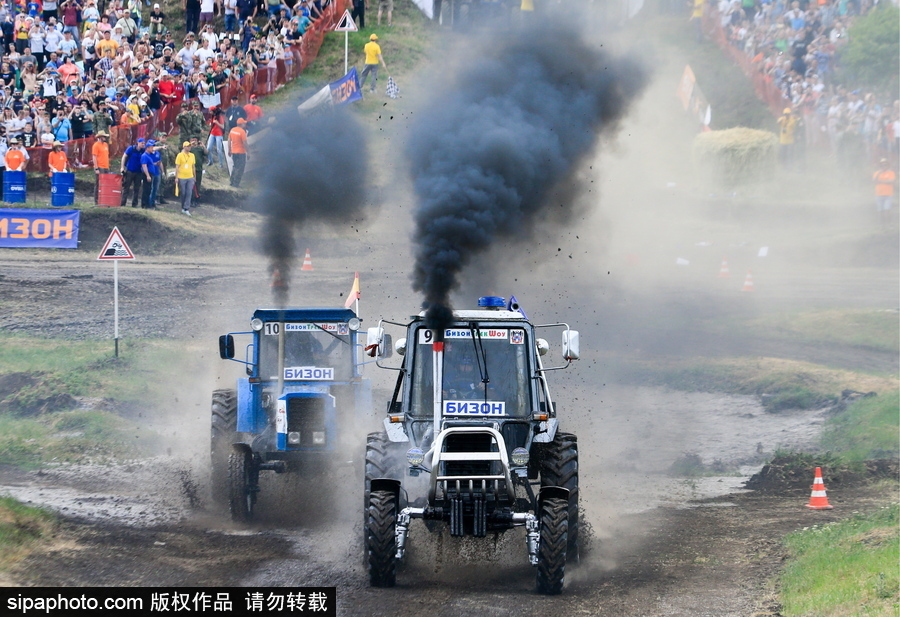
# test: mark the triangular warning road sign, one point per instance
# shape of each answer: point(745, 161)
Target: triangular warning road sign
point(346, 24)
point(115, 247)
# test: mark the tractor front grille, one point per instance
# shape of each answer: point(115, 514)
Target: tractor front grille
point(306, 415)
point(469, 442)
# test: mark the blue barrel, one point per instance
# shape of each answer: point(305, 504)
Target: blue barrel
point(62, 189)
point(14, 187)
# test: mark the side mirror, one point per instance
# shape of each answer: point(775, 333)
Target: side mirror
point(400, 346)
point(570, 345)
point(378, 344)
point(226, 347)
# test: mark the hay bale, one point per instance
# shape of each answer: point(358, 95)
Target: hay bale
point(735, 157)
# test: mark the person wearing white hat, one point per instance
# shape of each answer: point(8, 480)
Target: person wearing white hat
point(156, 21)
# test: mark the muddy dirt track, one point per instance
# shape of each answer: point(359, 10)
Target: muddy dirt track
point(661, 545)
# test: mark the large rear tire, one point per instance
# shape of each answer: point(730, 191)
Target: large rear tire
point(243, 484)
point(551, 568)
point(381, 541)
point(223, 433)
point(559, 467)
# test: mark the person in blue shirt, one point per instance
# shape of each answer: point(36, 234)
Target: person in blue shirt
point(151, 167)
point(132, 173)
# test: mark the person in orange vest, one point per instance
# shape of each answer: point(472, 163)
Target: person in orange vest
point(100, 156)
point(884, 179)
point(57, 159)
point(16, 157)
point(237, 139)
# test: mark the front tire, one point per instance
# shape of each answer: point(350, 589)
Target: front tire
point(223, 433)
point(381, 539)
point(551, 568)
point(381, 462)
point(559, 467)
point(243, 484)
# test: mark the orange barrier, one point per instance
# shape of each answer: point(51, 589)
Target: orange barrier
point(262, 82)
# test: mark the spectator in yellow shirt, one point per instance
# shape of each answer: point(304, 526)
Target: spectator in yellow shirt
point(373, 57)
point(185, 175)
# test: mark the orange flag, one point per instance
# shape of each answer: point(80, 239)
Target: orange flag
point(354, 292)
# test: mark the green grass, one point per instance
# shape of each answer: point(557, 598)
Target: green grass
point(32, 433)
point(779, 384)
point(870, 329)
point(845, 568)
point(868, 428)
point(21, 527)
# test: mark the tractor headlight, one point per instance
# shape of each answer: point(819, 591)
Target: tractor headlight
point(415, 456)
point(294, 438)
point(319, 438)
point(520, 457)
point(256, 324)
point(353, 323)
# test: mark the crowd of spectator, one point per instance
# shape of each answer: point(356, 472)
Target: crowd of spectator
point(796, 43)
point(75, 68)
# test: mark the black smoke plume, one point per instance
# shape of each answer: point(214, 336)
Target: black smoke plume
point(312, 169)
point(491, 149)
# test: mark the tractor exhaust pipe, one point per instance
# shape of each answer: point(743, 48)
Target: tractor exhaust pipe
point(437, 350)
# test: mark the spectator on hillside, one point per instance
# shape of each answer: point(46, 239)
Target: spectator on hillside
point(16, 157)
point(884, 180)
point(157, 19)
point(71, 17)
point(151, 166)
point(132, 173)
point(191, 15)
point(57, 159)
point(237, 140)
point(215, 144)
point(231, 16)
point(372, 58)
point(208, 10)
point(234, 113)
point(254, 115)
point(185, 176)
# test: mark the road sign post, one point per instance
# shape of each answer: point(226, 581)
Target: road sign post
point(346, 25)
point(114, 250)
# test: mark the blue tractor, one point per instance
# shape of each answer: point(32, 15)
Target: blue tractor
point(303, 384)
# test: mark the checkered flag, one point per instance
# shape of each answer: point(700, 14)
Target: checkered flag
point(393, 91)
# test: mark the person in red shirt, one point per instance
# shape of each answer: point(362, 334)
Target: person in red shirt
point(254, 115)
point(237, 139)
point(178, 87)
point(215, 144)
point(166, 88)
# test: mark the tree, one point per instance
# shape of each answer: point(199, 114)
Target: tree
point(871, 57)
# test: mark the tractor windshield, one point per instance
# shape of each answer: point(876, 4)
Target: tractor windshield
point(312, 351)
point(486, 373)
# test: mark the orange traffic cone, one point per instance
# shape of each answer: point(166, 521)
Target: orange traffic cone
point(307, 262)
point(748, 282)
point(818, 500)
point(723, 271)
